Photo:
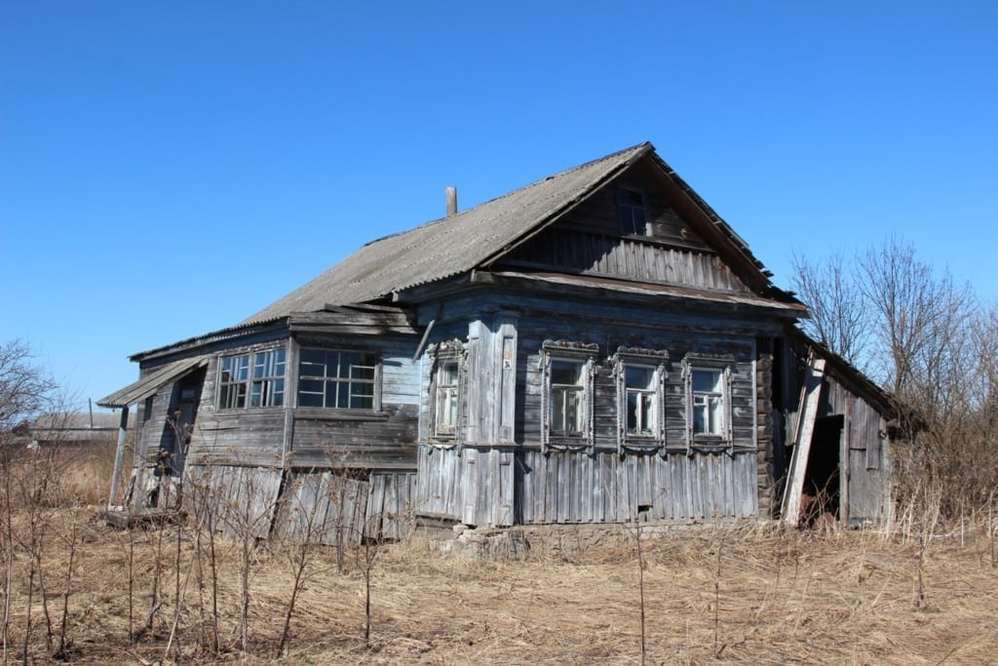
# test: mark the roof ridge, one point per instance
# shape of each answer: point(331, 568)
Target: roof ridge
point(533, 183)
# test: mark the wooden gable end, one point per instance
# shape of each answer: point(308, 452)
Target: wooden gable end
point(593, 239)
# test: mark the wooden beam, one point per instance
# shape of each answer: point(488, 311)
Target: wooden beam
point(119, 458)
point(807, 413)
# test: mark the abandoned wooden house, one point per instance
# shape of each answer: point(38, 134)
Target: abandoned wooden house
point(597, 346)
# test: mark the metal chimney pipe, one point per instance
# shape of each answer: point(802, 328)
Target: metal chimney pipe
point(451, 192)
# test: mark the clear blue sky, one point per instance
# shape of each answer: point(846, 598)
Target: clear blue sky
point(169, 168)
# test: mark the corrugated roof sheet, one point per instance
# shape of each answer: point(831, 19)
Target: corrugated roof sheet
point(148, 385)
point(450, 245)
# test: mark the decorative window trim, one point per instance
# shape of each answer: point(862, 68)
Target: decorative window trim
point(585, 353)
point(724, 363)
point(657, 360)
point(447, 351)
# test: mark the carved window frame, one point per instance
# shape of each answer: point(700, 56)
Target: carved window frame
point(658, 361)
point(445, 352)
point(578, 352)
point(714, 362)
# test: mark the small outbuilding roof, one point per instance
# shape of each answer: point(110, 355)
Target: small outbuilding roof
point(148, 385)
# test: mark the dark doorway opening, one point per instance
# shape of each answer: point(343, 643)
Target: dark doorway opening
point(820, 498)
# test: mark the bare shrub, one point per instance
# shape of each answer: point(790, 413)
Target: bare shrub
point(931, 343)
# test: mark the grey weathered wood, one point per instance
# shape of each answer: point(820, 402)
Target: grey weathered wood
point(810, 397)
point(119, 457)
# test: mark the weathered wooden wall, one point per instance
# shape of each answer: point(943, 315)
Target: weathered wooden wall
point(331, 508)
point(865, 444)
point(578, 487)
point(468, 484)
point(484, 478)
point(382, 439)
point(642, 259)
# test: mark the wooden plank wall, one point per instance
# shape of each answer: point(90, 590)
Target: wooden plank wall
point(574, 251)
point(576, 487)
point(533, 331)
point(470, 481)
point(470, 485)
point(243, 498)
point(328, 506)
point(252, 436)
point(867, 468)
point(384, 439)
point(868, 473)
point(598, 214)
point(153, 432)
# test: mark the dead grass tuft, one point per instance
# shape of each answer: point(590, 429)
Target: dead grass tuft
point(784, 596)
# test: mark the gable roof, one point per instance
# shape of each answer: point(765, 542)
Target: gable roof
point(476, 237)
point(449, 245)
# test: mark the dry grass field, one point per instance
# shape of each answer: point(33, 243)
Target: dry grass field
point(739, 594)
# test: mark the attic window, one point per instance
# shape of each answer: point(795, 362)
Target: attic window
point(631, 212)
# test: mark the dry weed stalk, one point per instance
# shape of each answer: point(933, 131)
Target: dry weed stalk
point(301, 538)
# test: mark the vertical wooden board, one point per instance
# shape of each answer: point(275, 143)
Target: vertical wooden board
point(609, 463)
point(693, 472)
point(633, 489)
point(717, 506)
point(645, 478)
point(662, 496)
point(598, 512)
point(564, 492)
point(551, 482)
point(526, 496)
point(390, 508)
point(623, 491)
point(488, 508)
point(588, 488)
point(727, 487)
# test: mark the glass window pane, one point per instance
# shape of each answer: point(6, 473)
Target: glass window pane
point(312, 356)
point(707, 381)
point(361, 372)
point(558, 411)
point(342, 395)
point(647, 401)
point(639, 378)
point(256, 394)
point(361, 389)
point(639, 220)
point(343, 361)
point(448, 374)
point(310, 385)
point(361, 402)
point(240, 395)
point(452, 408)
point(632, 412)
point(242, 372)
point(573, 411)
point(699, 419)
point(309, 400)
point(306, 369)
point(566, 372)
point(715, 416)
point(631, 198)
